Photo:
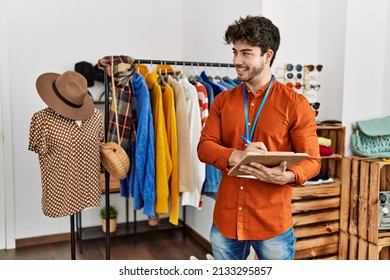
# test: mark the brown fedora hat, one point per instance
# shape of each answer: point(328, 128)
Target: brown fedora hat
point(66, 94)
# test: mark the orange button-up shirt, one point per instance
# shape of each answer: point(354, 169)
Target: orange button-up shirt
point(247, 208)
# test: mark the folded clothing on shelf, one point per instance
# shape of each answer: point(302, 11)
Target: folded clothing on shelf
point(321, 178)
point(323, 141)
point(325, 151)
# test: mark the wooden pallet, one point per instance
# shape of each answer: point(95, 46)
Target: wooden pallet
point(362, 180)
point(316, 215)
point(316, 209)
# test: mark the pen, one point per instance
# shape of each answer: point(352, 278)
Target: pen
point(245, 139)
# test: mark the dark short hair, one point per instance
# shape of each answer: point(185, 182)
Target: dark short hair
point(256, 31)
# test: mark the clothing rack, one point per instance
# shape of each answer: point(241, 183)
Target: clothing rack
point(72, 238)
point(106, 124)
point(107, 175)
point(184, 63)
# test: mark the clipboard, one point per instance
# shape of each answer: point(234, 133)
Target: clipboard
point(269, 159)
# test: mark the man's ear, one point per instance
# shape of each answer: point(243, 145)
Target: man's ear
point(269, 54)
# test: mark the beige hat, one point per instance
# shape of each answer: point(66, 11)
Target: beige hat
point(66, 94)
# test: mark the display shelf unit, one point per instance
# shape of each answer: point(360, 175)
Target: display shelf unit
point(136, 226)
point(316, 208)
point(331, 165)
point(96, 232)
point(123, 229)
point(128, 229)
point(360, 236)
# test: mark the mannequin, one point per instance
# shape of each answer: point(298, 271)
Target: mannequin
point(67, 136)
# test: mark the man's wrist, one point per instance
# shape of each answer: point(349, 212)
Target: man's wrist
point(235, 157)
point(291, 177)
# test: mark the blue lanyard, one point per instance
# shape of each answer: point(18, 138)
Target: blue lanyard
point(250, 136)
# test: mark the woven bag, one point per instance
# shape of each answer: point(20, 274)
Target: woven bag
point(112, 156)
point(114, 159)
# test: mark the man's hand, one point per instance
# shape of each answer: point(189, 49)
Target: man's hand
point(276, 175)
point(237, 155)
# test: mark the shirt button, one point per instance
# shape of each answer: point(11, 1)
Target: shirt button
point(249, 123)
point(241, 188)
point(239, 208)
point(252, 104)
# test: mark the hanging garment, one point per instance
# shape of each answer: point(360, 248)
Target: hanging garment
point(213, 175)
point(203, 101)
point(123, 72)
point(217, 89)
point(69, 159)
point(163, 157)
point(186, 177)
point(229, 81)
point(170, 122)
point(140, 182)
point(195, 123)
point(225, 84)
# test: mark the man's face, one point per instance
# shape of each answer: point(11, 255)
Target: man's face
point(248, 61)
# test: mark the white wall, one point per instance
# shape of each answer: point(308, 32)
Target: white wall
point(46, 35)
point(331, 52)
point(51, 36)
point(204, 26)
point(7, 221)
point(385, 68)
point(298, 23)
point(2, 185)
point(309, 35)
point(366, 51)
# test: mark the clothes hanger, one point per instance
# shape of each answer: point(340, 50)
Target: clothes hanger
point(209, 76)
point(226, 77)
point(217, 78)
point(176, 73)
point(197, 72)
point(192, 78)
point(161, 77)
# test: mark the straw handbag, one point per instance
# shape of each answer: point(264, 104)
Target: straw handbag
point(112, 156)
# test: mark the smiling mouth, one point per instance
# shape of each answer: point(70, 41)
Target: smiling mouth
point(241, 69)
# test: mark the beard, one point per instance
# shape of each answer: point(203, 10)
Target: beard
point(250, 74)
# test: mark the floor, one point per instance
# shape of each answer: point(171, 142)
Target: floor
point(165, 245)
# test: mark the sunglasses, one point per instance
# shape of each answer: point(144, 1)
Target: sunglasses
point(309, 87)
point(290, 67)
point(290, 75)
point(315, 105)
point(291, 85)
point(311, 67)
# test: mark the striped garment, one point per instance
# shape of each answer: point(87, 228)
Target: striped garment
point(123, 76)
point(203, 102)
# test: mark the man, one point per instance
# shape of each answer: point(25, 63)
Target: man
point(261, 114)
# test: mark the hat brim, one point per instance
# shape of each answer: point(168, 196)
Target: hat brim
point(45, 91)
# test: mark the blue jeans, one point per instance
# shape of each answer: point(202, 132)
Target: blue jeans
point(280, 247)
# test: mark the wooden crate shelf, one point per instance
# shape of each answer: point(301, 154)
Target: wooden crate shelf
point(331, 165)
point(336, 134)
point(362, 181)
point(316, 208)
